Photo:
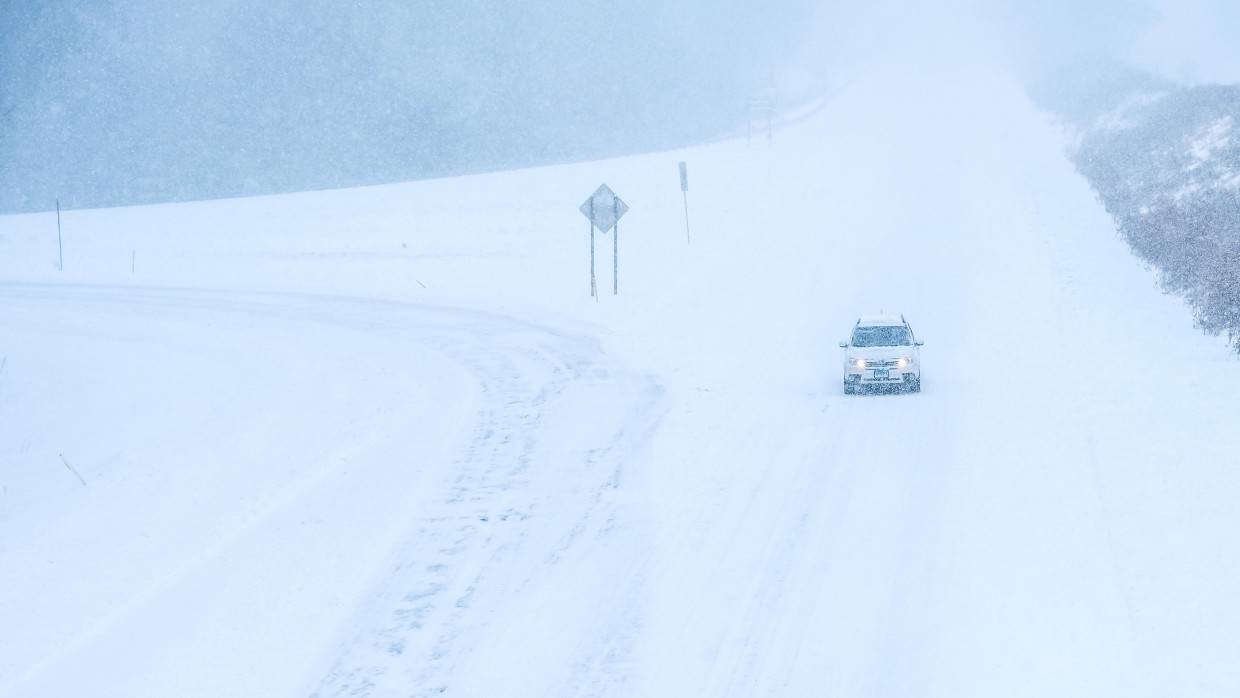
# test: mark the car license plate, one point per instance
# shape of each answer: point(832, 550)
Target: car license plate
point(881, 372)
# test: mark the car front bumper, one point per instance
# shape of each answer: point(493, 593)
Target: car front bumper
point(872, 377)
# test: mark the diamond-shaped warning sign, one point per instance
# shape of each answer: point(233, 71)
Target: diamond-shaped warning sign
point(604, 208)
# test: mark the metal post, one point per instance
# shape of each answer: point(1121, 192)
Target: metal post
point(684, 190)
point(60, 243)
point(593, 282)
point(615, 255)
point(688, 239)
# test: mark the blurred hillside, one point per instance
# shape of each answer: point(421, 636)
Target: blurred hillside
point(113, 103)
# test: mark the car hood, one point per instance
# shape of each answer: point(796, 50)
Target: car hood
point(880, 352)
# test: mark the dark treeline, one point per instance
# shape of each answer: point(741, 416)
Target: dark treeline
point(105, 103)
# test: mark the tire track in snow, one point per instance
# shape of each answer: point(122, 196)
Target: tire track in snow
point(454, 567)
point(510, 507)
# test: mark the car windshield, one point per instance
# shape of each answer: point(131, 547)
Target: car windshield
point(882, 336)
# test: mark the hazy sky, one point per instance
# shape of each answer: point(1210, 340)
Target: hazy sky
point(1192, 41)
point(1187, 40)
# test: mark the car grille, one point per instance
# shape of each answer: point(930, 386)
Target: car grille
point(880, 364)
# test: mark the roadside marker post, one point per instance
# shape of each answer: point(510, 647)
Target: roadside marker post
point(760, 109)
point(684, 191)
point(60, 241)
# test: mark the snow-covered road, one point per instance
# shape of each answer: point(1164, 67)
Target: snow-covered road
point(288, 451)
point(489, 484)
point(1033, 523)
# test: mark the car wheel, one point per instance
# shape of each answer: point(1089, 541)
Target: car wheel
point(915, 385)
point(850, 390)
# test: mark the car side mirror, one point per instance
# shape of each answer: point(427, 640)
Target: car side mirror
point(918, 343)
point(843, 345)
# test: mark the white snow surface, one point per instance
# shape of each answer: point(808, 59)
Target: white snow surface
point(381, 441)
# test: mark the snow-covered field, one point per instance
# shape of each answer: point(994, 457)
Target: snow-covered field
point(381, 441)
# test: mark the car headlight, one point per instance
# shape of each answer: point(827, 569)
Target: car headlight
point(902, 362)
point(857, 363)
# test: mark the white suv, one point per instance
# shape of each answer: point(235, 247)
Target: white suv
point(882, 353)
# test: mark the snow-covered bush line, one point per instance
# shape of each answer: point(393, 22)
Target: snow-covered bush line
point(1166, 164)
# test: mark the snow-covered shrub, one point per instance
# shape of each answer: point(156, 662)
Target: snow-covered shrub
point(1165, 162)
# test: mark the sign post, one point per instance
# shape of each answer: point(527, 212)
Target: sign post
point(760, 109)
point(684, 191)
point(593, 282)
point(605, 209)
point(615, 253)
point(60, 240)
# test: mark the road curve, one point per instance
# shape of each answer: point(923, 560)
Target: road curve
point(494, 521)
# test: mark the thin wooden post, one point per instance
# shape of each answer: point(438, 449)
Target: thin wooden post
point(688, 240)
point(60, 244)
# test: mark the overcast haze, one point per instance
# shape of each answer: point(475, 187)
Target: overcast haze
point(111, 103)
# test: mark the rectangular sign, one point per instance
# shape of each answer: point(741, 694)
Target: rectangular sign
point(684, 177)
